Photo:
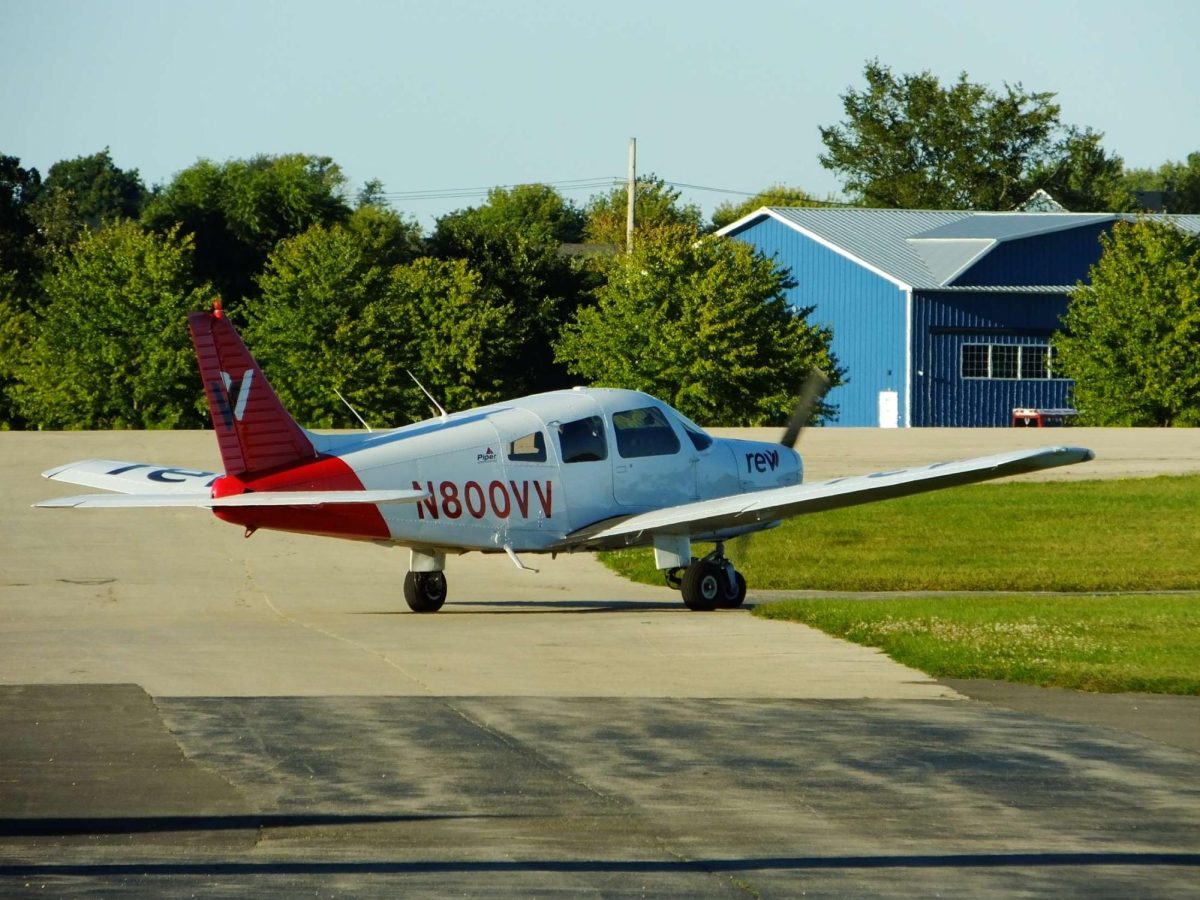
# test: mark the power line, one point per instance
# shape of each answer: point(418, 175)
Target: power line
point(572, 185)
point(714, 190)
point(565, 186)
point(699, 187)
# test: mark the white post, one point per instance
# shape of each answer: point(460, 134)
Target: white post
point(632, 193)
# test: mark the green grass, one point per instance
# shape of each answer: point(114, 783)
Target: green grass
point(1136, 534)
point(1141, 642)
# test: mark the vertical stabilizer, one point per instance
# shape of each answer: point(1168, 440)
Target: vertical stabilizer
point(254, 431)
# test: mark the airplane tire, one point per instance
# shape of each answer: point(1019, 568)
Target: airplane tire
point(425, 592)
point(738, 597)
point(702, 589)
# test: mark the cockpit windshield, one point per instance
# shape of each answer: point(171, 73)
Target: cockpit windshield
point(697, 435)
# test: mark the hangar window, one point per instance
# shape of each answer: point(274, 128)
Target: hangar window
point(1035, 362)
point(975, 360)
point(1026, 362)
point(582, 440)
point(1006, 361)
point(644, 432)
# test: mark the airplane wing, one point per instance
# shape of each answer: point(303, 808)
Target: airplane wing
point(144, 485)
point(737, 514)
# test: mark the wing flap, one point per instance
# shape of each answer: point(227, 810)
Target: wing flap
point(244, 501)
point(743, 511)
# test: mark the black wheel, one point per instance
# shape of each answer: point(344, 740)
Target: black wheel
point(703, 586)
point(738, 597)
point(425, 592)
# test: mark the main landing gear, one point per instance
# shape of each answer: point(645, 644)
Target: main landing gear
point(709, 583)
point(425, 592)
point(425, 583)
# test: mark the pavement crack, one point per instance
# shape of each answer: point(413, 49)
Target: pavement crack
point(316, 629)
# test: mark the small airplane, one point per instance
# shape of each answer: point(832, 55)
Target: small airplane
point(565, 471)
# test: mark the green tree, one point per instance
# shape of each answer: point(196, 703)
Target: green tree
point(1082, 177)
point(1177, 182)
point(1130, 336)
point(702, 322)
point(372, 194)
point(85, 192)
point(655, 204)
point(908, 142)
point(537, 211)
point(439, 320)
point(111, 347)
point(239, 210)
point(513, 241)
point(335, 316)
point(19, 240)
point(728, 212)
point(387, 238)
point(314, 287)
point(15, 336)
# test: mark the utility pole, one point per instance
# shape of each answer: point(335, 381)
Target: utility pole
point(632, 192)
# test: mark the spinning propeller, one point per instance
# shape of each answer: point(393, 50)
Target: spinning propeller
point(811, 392)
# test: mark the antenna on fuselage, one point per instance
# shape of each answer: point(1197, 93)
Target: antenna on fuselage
point(353, 410)
point(432, 400)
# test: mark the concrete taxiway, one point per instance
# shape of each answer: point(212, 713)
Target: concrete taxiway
point(183, 711)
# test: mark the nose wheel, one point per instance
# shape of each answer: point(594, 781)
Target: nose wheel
point(712, 583)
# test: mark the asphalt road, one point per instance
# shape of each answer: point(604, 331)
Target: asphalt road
point(186, 712)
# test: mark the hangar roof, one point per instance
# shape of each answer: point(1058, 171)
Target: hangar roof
point(928, 249)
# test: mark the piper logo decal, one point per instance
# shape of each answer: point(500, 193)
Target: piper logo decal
point(231, 396)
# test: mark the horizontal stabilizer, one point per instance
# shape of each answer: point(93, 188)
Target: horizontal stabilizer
point(244, 501)
point(133, 477)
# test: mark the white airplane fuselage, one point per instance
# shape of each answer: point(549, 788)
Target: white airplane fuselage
point(526, 474)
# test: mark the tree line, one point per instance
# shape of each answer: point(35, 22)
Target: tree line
point(338, 293)
point(347, 296)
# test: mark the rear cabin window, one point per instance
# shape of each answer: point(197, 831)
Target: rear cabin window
point(644, 432)
point(582, 440)
point(530, 448)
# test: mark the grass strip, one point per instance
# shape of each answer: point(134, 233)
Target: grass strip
point(1122, 535)
point(1109, 644)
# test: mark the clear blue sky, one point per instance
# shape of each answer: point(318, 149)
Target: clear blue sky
point(444, 94)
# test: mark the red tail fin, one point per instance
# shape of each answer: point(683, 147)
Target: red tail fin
point(254, 431)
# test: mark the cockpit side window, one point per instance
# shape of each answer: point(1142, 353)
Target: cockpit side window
point(644, 432)
point(530, 448)
point(582, 440)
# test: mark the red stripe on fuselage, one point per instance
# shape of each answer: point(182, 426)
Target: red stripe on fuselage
point(361, 521)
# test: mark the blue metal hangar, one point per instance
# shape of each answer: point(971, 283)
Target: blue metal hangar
point(941, 318)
